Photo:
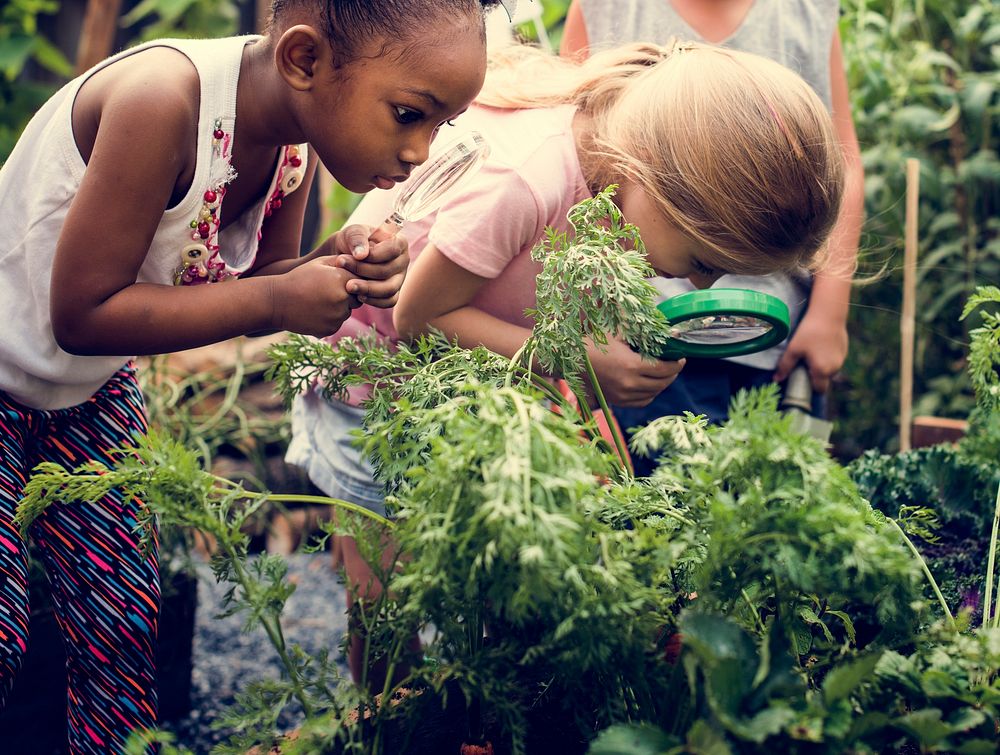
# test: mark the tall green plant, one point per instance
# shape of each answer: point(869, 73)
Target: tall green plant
point(555, 580)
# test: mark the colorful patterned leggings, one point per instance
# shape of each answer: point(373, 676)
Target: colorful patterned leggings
point(106, 596)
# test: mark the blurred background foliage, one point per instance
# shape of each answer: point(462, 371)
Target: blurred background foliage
point(924, 78)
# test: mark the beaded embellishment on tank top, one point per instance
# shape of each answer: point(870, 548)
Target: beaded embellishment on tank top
point(200, 258)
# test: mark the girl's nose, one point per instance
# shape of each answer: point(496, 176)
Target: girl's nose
point(416, 151)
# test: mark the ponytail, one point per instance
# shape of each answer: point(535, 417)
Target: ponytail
point(520, 76)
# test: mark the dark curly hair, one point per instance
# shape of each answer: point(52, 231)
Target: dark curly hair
point(348, 24)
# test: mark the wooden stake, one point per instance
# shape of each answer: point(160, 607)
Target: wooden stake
point(906, 324)
point(97, 37)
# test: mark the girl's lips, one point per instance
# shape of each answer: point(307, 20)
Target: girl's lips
point(384, 183)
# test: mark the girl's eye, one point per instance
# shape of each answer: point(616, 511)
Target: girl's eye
point(449, 123)
point(407, 115)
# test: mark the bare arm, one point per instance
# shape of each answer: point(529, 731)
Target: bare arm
point(98, 307)
point(437, 295)
point(821, 338)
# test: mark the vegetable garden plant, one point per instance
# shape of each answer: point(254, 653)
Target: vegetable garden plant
point(746, 597)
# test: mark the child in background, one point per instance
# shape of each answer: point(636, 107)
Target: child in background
point(140, 216)
point(803, 35)
point(725, 161)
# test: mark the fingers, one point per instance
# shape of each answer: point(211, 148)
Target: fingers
point(353, 240)
point(380, 275)
point(638, 388)
point(820, 375)
point(785, 365)
point(372, 270)
point(392, 253)
point(661, 369)
point(820, 383)
point(382, 294)
point(313, 299)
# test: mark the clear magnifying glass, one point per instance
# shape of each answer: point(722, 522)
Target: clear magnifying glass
point(723, 322)
point(428, 187)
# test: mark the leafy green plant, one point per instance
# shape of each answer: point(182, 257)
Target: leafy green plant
point(925, 83)
point(21, 43)
point(156, 19)
point(742, 597)
point(959, 483)
point(942, 697)
point(941, 693)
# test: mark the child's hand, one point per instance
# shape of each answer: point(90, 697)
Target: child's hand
point(821, 344)
point(312, 298)
point(628, 379)
point(351, 240)
point(380, 272)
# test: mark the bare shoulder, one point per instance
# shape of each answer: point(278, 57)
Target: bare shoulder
point(153, 95)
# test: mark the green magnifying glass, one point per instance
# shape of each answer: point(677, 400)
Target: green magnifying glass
point(723, 322)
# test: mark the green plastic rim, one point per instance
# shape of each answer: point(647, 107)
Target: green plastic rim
point(725, 301)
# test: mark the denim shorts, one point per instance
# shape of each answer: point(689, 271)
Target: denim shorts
point(322, 444)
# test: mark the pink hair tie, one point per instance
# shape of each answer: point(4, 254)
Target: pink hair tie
point(796, 147)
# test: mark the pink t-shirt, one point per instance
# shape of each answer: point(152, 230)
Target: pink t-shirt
point(529, 182)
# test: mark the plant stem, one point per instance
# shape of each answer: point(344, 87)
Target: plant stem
point(338, 503)
point(927, 571)
point(317, 499)
point(272, 626)
point(475, 711)
point(988, 609)
point(619, 442)
point(753, 610)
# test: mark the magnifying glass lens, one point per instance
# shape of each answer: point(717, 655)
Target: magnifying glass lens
point(718, 323)
point(428, 190)
point(720, 329)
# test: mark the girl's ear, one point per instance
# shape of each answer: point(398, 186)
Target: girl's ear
point(298, 52)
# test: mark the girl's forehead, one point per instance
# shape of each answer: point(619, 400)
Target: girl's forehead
point(449, 45)
point(442, 74)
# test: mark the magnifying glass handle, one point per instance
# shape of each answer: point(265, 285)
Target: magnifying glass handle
point(389, 228)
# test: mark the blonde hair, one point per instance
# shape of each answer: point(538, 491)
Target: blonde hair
point(737, 150)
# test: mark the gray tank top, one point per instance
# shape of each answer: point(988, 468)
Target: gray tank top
point(796, 33)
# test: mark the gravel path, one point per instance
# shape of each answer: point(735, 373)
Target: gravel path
point(226, 660)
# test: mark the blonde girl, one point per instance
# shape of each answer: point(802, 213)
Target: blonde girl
point(803, 35)
point(726, 162)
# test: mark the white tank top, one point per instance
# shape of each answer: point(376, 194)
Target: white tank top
point(37, 185)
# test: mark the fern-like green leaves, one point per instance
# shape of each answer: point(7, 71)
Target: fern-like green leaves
point(984, 352)
point(593, 284)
